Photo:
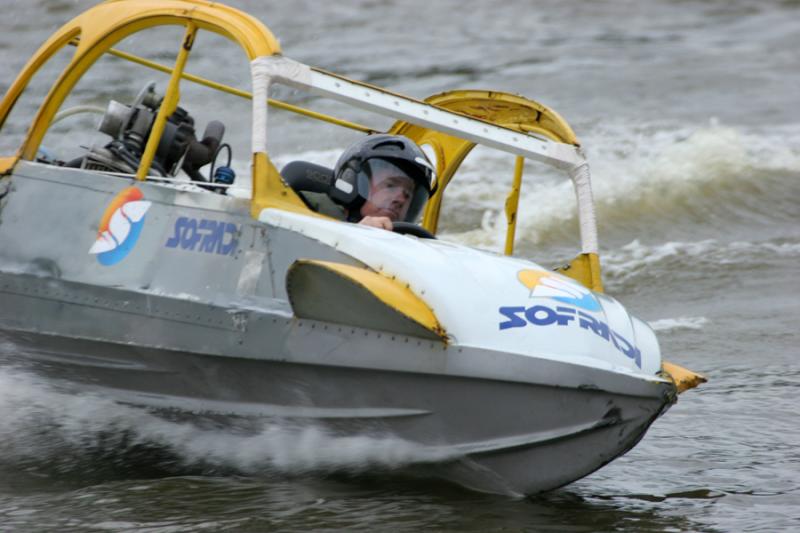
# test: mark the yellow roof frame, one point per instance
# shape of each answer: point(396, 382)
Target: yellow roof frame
point(101, 27)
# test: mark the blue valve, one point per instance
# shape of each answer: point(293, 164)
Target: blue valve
point(224, 175)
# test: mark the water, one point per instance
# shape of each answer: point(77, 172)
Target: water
point(689, 115)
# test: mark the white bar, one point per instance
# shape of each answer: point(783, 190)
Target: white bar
point(261, 81)
point(401, 107)
point(587, 217)
point(420, 113)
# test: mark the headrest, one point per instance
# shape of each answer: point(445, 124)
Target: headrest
point(309, 177)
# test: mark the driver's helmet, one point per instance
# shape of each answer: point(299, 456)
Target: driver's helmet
point(353, 172)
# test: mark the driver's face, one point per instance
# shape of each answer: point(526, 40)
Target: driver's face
point(389, 196)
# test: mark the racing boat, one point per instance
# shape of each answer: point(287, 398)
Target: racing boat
point(129, 272)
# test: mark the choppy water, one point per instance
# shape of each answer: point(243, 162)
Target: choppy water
point(690, 115)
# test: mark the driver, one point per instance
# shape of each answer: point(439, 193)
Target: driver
point(390, 195)
point(382, 179)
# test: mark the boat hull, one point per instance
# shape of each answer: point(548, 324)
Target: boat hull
point(512, 434)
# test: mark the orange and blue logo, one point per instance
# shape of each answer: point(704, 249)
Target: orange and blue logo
point(543, 284)
point(120, 226)
point(547, 285)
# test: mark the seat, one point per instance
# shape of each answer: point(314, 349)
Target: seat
point(303, 176)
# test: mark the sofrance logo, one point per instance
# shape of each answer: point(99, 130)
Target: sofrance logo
point(543, 284)
point(204, 235)
point(543, 315)
point(120, 226)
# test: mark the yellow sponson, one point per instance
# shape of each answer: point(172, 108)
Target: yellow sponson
point(585, 269)
point(502, 109)
point(390, 292)
point(683, 378)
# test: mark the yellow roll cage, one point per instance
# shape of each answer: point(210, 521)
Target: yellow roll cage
point(96, 31)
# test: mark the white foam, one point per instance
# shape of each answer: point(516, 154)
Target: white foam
point(784, 249)
point(636, 256)
point(635, 170)
point(38, 422)
point(669, 324)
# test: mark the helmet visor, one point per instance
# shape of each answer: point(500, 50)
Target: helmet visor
point(393, 192)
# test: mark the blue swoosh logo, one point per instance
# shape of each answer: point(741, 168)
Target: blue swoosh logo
point(587, 301)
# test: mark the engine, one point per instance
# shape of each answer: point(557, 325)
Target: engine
point(129, 127)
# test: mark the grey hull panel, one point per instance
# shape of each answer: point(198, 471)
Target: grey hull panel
point(146, 319)
point(541, 466)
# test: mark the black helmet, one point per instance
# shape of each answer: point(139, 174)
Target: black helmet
point(351, 176)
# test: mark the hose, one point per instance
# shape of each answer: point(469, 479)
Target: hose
point(77, 110)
